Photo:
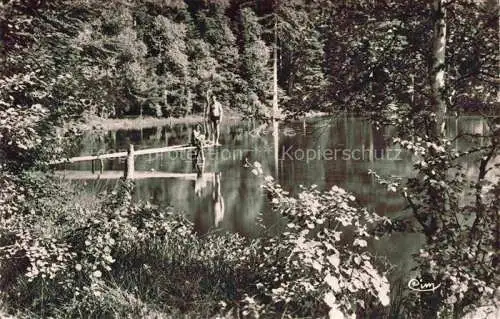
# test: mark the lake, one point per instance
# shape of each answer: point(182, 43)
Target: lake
point(227, 195)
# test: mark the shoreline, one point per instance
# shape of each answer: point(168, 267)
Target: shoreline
point(137, 123)
point(101, 124)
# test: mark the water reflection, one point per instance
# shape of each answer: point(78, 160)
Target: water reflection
point(207, 188)
point(202, 180)
point(276, 148)
point(217, 200)
point(283, 151)
point(218, 192)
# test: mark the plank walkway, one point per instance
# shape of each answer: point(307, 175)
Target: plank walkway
point(165, 149)
point(85, 175)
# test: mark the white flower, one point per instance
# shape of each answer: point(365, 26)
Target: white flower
point(97, 274)
point(78, 267)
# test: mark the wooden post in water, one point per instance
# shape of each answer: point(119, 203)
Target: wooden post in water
point(129, 166)
point(101, 168)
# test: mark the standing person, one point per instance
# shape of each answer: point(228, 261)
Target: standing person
point(215, 115)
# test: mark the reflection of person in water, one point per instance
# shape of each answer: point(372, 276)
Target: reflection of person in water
point(201, 181)
point(211, 215)
point(218, 200)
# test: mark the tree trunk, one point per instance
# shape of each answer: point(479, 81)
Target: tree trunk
point(438, 69)
point(275, 71)
point(431, 302)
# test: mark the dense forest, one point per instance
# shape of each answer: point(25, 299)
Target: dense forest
point(405, 65)
point(159, 58)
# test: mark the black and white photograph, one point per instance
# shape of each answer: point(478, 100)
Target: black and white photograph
point(225, 159)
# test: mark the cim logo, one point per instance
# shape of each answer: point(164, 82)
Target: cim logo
point(420, 286)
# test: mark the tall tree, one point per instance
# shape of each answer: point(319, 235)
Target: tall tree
point(255, 64)
point(213, 27)
point(438, 69)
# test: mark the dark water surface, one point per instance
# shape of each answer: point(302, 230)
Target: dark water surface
point(322, 151)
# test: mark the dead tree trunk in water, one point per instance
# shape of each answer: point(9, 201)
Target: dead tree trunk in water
point(275, 70)
point(438, 72)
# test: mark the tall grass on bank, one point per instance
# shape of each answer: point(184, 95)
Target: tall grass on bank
point(119, 259)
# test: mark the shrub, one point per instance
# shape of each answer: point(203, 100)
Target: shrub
point(320, 263)
point(122, 258)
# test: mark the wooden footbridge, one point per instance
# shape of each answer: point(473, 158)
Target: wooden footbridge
point(129, 171)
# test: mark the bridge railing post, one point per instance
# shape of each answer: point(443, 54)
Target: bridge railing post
point(101, 167)
point(130, 164)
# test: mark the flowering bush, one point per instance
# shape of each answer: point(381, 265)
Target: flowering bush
point(321, 260)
